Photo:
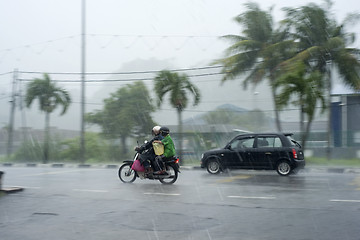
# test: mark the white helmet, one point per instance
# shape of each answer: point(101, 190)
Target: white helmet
point(156, 130)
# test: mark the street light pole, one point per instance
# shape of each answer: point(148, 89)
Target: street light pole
point(83, 64)
point(12, 115)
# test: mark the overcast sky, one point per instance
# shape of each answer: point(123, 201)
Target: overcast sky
point(45, 36)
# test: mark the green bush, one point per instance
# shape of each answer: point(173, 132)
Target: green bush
point(29, 151)
point(98, 150)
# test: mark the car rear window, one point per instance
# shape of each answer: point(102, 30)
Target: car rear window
point(292, 141)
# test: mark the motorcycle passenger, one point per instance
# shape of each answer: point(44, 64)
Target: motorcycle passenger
point(169, 148)
point(150, 154)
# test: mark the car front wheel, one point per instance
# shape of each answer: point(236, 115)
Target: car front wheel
point(213, 166)
point(283, 168)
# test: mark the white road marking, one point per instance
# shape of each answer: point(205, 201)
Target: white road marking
point(344, 200)
point(91, 190)
point(248, 197)
point(233, 178)
point(163, 194)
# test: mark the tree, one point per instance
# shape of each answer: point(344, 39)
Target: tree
point(177, 86)
point(50, 97)
point(322, 46)
point(306, 92)
point(126, 113)
point(258, 52)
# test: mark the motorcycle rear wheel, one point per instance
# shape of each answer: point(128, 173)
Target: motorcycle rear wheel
point(171, 178)
point(126, 174)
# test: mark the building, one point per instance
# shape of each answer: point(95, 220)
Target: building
point(345, 117)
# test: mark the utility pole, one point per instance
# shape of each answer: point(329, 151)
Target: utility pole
point(23, 115)
point(12, 115)
point(83, 64)
point(329, 125)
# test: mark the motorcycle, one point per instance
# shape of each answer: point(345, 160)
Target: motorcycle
point(128, 174)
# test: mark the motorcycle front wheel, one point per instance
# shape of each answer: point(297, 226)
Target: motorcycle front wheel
point(126, 174)
point(171, 177)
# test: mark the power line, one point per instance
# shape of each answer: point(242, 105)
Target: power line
point(109, 35)
point(119, 80)
point(217, 110)
point(39, 43)
point(129, 73)
point(123, 73)
point(6, 73)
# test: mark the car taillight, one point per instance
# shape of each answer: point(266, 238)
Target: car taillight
point(294, 153)
point(177, 160)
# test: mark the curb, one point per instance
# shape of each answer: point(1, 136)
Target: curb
point(8, 190)
point(61, 165)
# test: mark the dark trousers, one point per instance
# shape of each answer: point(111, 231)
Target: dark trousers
point(147, 159)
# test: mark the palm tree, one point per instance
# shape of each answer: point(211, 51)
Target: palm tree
point(50, 96)
point(177, 86)
point(258, 52)
point(322, 45)
point(305, 91)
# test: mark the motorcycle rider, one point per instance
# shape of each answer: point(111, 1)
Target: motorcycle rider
point(150, 154)
point(169, 148)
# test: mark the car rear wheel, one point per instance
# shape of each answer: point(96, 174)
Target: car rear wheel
point(283, 168)
point(213, 166)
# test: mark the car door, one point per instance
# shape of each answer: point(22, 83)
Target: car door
point(237, 154)
point(266, 151)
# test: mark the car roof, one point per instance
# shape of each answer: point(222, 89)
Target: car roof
point(267, 133)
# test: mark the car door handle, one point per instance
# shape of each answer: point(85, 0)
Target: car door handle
point(268, 153)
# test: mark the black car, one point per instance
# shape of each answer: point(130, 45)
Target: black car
point(272, 151)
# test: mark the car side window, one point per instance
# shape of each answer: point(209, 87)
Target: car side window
point(270, 141)
point(242, 143)
point(277, 142)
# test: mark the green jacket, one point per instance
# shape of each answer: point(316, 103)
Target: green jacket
point(169, 147)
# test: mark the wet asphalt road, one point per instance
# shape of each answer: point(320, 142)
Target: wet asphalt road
point(75, 203)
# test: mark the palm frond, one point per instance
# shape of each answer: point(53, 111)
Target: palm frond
point(244, 46)
point(234, 38)
point(349, 68)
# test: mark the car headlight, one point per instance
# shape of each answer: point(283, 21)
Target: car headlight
point(202, 156)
